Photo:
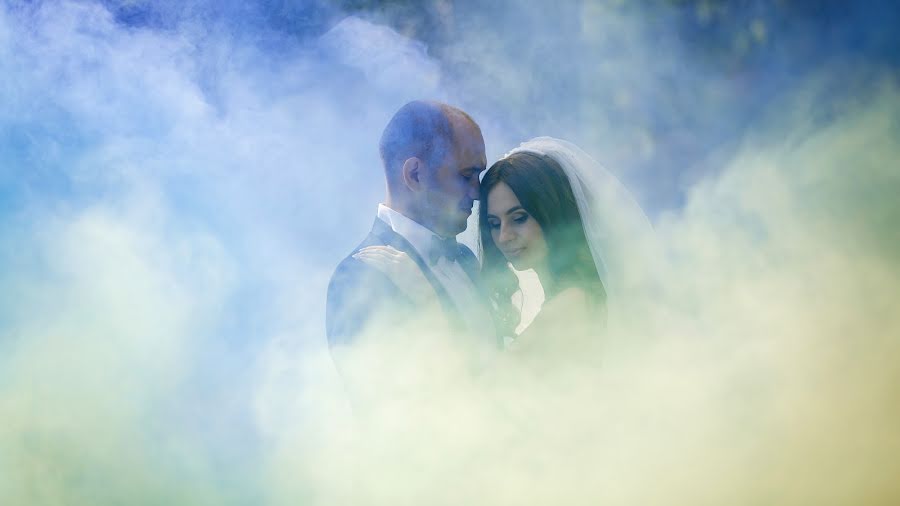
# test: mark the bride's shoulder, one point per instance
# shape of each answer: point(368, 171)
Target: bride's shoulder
point(567, 314)
point(571, 301)
point(569, 296)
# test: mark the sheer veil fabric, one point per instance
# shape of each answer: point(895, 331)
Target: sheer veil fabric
point(619, 234)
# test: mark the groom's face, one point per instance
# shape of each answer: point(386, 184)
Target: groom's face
point(451, 187)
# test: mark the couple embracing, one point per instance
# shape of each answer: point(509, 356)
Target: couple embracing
point(545, 205)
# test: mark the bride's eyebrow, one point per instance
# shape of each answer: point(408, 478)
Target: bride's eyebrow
point(508, 211)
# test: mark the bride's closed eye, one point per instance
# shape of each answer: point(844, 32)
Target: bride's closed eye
point(519, 219)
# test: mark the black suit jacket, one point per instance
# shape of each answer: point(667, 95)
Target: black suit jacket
point(359, 294)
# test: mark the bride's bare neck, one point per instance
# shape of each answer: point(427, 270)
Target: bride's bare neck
point(546, 278)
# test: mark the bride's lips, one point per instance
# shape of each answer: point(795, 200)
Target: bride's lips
point(514, 252)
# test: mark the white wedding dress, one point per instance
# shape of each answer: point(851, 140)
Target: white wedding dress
point(619, 234)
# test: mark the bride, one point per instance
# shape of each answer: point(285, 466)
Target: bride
point(550, 207)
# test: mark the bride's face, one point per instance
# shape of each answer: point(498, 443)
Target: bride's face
point(515, 232)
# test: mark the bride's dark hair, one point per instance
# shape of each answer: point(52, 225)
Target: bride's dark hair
point(544, 192)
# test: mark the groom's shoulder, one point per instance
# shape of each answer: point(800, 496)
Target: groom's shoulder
point(356, 292)
point(350, 267)
point(356, 278)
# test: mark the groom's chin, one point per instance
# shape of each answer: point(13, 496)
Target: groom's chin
point(464, 217)
point(458, 225)
point(462, 226)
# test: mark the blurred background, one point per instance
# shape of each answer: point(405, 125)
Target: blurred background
point(179, 179)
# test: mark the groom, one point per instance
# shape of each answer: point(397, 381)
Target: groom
point(432, 154)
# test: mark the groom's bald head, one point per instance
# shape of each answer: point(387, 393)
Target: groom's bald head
point(420, 129)
point(432, 155)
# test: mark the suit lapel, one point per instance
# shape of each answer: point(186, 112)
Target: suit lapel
point(469, 264)
point(387, 235)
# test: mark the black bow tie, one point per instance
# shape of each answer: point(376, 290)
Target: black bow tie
point(441, 247)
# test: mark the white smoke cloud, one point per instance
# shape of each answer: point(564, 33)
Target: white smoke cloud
point(385, 57)
point(768, 363)
point(170, 196)
point(178, 200)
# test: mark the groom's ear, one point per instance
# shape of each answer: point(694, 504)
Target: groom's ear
point(411, 173)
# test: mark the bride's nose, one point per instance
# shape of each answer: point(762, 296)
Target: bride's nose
point(506, 233)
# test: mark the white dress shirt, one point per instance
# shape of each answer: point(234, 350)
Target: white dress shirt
point(450, 274)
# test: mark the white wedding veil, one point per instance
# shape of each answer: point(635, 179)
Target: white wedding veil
point(619, 234)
